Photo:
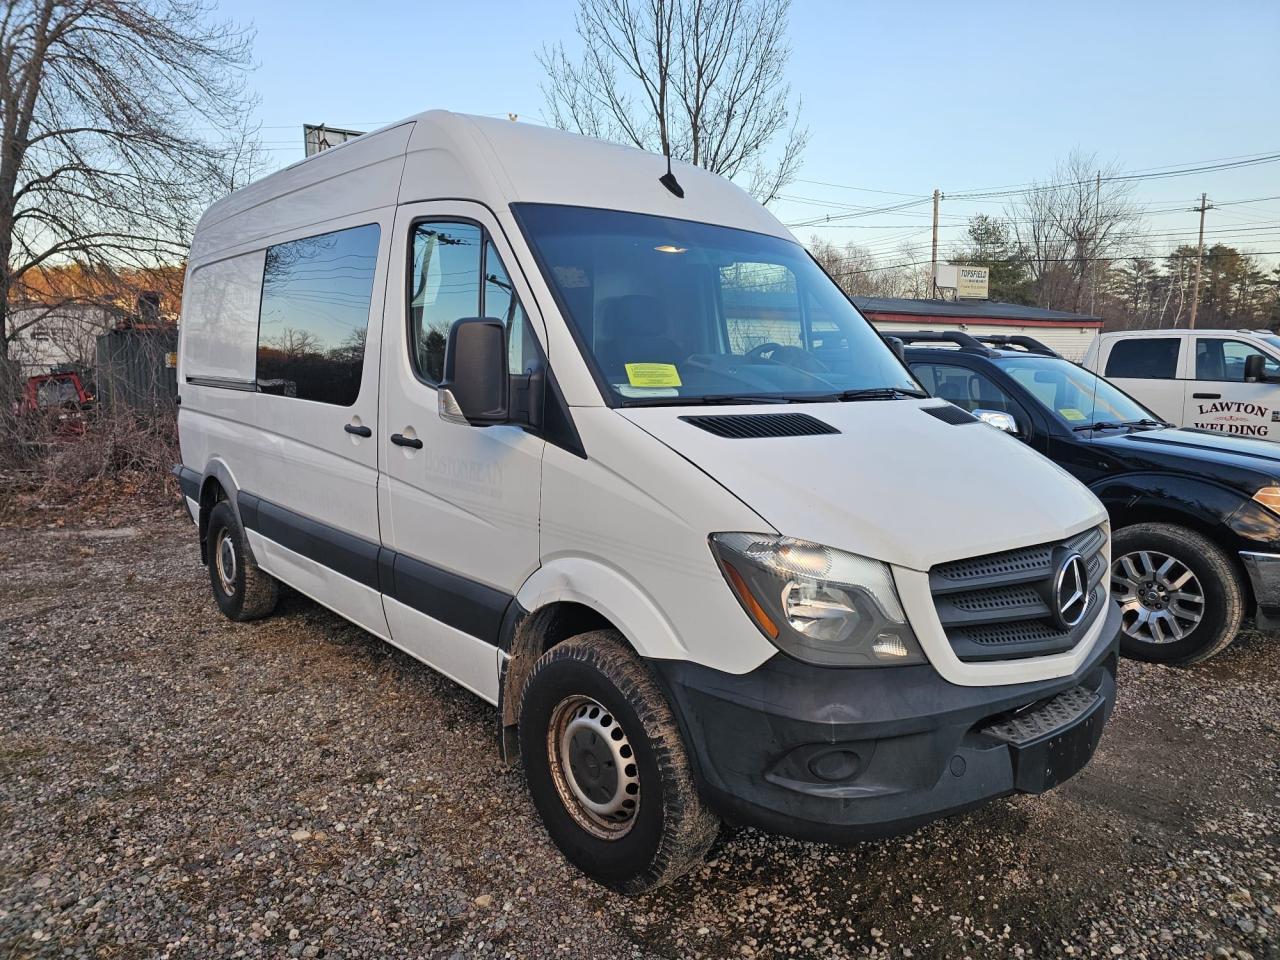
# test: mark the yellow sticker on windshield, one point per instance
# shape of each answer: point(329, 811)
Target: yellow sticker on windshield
point(653, 374)
point(1071, 413)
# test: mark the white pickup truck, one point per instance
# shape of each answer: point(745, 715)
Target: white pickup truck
point(1223, 380)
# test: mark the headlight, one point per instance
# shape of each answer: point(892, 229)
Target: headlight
point(818, 604)
point(1269, 497)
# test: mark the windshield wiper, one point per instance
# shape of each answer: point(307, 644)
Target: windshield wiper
point(880, 393)
point(1119, 424)
point(1100, 425)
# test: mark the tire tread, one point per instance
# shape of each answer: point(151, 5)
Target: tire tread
point(689, 826)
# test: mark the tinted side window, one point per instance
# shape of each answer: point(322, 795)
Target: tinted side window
point(1144, 358)
point(444, 287)
point(1224, 360)
point(315, 314)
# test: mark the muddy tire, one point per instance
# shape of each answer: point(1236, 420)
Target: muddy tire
point(607, 768)
point(1181, 599)
point(241, 590)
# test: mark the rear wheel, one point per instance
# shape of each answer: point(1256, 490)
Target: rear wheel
point(241, 589)
point(606, 766)
point(1180, 598)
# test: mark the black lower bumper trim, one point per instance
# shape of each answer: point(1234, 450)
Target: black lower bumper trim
point(846, 755)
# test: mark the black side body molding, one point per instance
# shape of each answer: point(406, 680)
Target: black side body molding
point(188, 481)
point(464, 604)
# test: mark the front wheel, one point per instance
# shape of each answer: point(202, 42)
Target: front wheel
point(606, 766)
point(1180, 599)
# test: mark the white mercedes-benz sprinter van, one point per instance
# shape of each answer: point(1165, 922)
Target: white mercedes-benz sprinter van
point(603, 444)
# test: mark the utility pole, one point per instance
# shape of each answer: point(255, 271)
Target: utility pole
point(1195, 287)
point(933, 274)
point(1097, 244)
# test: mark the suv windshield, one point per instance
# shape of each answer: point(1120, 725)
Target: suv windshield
point(1077, 397)
point(672, 311)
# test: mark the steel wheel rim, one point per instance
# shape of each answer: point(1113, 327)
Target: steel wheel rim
point(594, 767)
point(1161, 599)
point(224, 561)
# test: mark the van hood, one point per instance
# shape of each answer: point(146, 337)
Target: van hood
point(896, 484)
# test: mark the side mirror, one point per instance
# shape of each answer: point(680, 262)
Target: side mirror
point(1255, 368)
point(475, 384)
point(899, 350)
point(998, 419)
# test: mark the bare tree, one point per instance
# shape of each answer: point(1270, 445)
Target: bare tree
point(119, 121)
point(853, 267)
point(1069, 225)
point(699, 80)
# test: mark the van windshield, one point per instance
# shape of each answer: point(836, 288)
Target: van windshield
point(671, 311)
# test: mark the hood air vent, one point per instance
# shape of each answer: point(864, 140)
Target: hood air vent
point(949, 413)
point(746, 426)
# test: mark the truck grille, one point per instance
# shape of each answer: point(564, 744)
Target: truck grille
point(1002, 606)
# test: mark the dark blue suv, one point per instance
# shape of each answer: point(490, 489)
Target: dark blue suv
point(1195, 515)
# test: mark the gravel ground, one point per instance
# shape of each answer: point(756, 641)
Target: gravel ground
point(172, 784)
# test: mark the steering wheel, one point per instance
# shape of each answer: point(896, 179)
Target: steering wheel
point(795, 357)
point(756, 353)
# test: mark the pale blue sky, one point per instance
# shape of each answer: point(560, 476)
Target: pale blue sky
point(899, 97)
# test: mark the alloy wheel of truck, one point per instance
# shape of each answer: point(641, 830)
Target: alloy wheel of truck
point(242, 590)
point(606, 766)
point(1180, 599)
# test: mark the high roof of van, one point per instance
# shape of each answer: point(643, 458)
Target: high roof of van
point(442, 155)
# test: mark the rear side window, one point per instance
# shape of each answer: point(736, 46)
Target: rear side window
point(315, 315)
point(1144, 358)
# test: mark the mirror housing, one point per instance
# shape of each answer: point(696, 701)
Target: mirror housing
point(1255, 368)
point(475, 386)
point(898, 348)
point(999, 419)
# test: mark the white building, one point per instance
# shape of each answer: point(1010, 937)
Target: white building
point(1068, 333)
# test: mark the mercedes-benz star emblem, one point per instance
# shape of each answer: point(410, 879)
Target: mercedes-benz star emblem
point(1070, 592)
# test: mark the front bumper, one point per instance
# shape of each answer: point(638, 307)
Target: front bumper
point(1264, 575)
point(844, 755)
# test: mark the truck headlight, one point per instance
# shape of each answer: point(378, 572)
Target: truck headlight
point(816, 603)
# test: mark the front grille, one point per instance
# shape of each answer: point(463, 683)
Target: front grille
point(1001, 606)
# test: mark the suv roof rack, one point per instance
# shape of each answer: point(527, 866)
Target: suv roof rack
point(1029, 344)
point(965, 341)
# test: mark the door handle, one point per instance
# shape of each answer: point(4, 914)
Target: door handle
point(1206, 396)
point(357, 430)
point(400, 440)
